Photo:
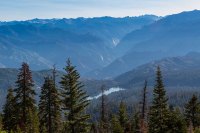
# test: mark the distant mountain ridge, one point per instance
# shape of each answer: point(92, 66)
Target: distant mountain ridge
point(99, 47)
point(178, 72)
point(89, 42)
point(173, 35)
point(8, 77)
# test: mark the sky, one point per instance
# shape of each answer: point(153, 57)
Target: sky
point(29, 9)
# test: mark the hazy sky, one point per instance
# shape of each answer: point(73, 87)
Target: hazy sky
point(28, 9)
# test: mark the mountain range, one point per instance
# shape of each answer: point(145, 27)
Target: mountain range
point(173, 35)
point(101, 48)
point(180, 74)
point(89, 42)
point(181, 71)
point(116, 52)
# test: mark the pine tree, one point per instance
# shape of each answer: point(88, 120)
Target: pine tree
point(74, 100)
point(104, 126)
point(116, 126)
point(143, 117)
point(33, 122)
point(197, 130)
point(1, 124)
point(176, 122)
point(18, 130)
point(192, 111)
point(123, 116)
point(159, 112)
point(49, 107)
point(9, 112)
point(144, 101)
point(25, 102)
point(94, 128)
point(135, 122)
point(103, 105)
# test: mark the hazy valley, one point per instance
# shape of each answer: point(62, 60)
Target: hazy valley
point(125, 51)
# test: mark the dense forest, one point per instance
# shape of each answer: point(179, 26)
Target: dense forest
point(66, 108)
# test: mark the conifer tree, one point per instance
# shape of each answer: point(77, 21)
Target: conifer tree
point(1, 124)
point(103, 105)
point(159, 112)
point(104, 125)
point(192, 111)
point(49, 108)
point(94, 128)
point(135, 127)
point(123, 116)
point(74, 100)
point(116, 126)
point(143, 123)
point(9, 112)
point(33, 122)
point(176, 122)
point(25, 102)
point(197, 130)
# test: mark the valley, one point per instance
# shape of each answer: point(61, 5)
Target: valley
point(115, 52)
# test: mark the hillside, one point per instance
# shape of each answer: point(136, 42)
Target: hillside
point(89, 42)
point(181, 76)
point(178, 72)
point(173, 35)
point(8, 76)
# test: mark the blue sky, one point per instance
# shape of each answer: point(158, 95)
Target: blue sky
point(28, 9)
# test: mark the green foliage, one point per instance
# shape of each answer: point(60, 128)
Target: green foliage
point(143, 110)
point(32, 122)
point(94, 128)
point(18, 130)
point(3, 132)
point(49, 108)
point(9, 112)
point(159, 112)
point(24, 98)
point(20, 114)
point(122, 114)
point(192, 111)
point(197, 130)
point(74, 101)
point(104, 120)
point(177, 123)
point(116, 126)
point(135, 122)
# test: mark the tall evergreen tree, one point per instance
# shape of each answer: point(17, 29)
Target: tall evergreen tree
point(103, 106)
point(123, 116)
point(33, 122)
point(159, 112)
point(94, 128)
point(176, 123)
point(143, 117)
point(104, 124)
point(74, 100)
point(192, 111)
point(49, 108)
point(135, 122)
point(25, 102)
point(116, 126)
point(9, 112)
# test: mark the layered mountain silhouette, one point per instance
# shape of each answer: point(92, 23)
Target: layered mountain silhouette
point(174, 35)
point(178, 72)
point(124, 50)
point(89, 42)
